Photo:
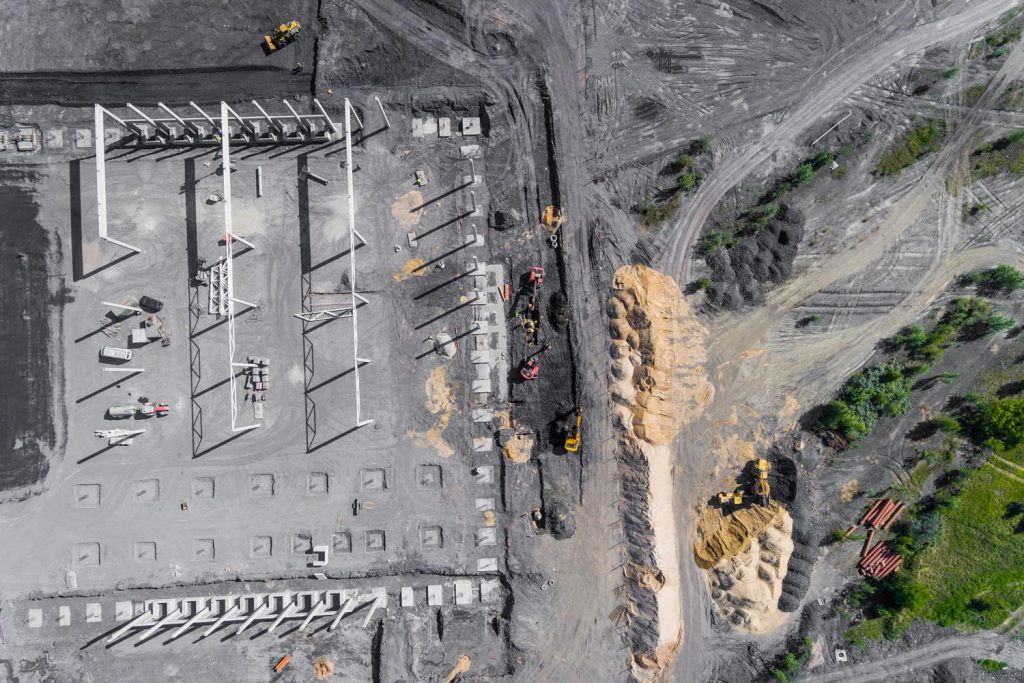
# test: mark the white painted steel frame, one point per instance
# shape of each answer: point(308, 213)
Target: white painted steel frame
point(99, 134)
point(352, 234)
point(229, 258)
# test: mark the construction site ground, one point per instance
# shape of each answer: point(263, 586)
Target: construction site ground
point(584, 107)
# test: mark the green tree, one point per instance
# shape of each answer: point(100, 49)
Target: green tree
point(997, 423)
point(946, 424)
point(710, 242)
point(840, 418)
point(803, 173)
point(1001, 278)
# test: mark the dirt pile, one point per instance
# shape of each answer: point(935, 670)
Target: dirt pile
point(722, 537)
point(659, 385)
point(439, 403)
point(746, 587)
point(658, 353)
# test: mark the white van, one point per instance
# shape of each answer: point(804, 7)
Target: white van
point(116, 353)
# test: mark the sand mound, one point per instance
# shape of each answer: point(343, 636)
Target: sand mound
point(658, 347)
point(659, 385)
point(519, 448)
point(747, 586)
point(722, 537)
point(439, 403)
point(402, 208)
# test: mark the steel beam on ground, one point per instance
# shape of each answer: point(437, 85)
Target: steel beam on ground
point(352, 260)
point(192, 620)
point(256, 614)
point(209, 119)
point(124, 306)
point(228, 614)
point(350, 604)
point(387, 121)
point(373, 608)
point(159, 126)
point(152, 630)
point(124, 369)
point(140, 621)
point(327, 119)
point(318, 608)
point(274, 123)
point(186, 125)
point(225, 149)
point(288, 610)
point(241, 121)
point(242, 240)
point(303, 124)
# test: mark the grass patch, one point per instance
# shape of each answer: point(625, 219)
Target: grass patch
point(992, 665)
point(1005, 155)
point(973, 576)
point(923, 138)
point(655, 211)
point(865, 632)
point(1013, 97)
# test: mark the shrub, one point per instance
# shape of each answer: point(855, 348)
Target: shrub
point(992, 665)
point(996, 322)
point(1002, 278)
point(997, 423)
point(803, 173)
point(946, 424)
point(701, 283)
point(684, 161)
point(710, 242)
point(951, 72)
point(780, 675)
point(923, 138)
point(839, 418)
point(688, 180)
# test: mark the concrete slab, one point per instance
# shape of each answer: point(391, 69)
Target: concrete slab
point(483, 444)
point(63, 615)
point(470, 151)
point(435, 595)
point(423, 127)
point(123, 610)
point(408, 596)
point(471, 126)
point(53, 138)
point(463, 591)
point(490, 590)
point(484, 474)
point(481, 414)
point(444, 127)
point(487, 564)
point(83, 138)
point(93, 612)
point(484, 504)
point(485, 536)
point(35, 618)
point(481, 386)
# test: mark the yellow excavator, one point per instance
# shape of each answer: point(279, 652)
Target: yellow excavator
point(572, 439)
point(761, 488)
point(735, 498)
point(282, 35)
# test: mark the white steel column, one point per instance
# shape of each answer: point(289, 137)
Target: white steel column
point(216, 128)
point(99, 135)
point(327, 119)
point(229, 233)
point(387, 121)
point(187, 126)
point(356, 360)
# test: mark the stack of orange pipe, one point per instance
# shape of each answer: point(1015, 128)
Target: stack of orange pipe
point(879, 562)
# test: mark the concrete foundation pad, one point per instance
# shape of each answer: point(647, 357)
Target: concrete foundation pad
point(435, 595)
point(463, 591)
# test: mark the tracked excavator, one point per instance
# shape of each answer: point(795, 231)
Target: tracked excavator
point(762, 489)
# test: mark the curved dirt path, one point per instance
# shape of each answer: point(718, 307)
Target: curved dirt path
point(833, 88)
point(975, 646)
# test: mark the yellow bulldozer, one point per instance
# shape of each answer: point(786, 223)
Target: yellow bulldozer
point(282, 35)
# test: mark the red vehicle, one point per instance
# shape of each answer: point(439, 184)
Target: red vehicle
point(531, 368)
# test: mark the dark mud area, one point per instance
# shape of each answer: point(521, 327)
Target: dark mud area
point(26, 413)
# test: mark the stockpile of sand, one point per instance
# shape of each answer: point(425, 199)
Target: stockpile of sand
point(439, 403)
point(658, 355)
point(746, 587)
point(722, 537)
point(659, 385)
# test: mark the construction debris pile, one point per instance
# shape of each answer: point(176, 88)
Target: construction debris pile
point(878, 561)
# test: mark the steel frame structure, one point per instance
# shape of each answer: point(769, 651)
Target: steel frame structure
point(101, 174)
point(352, 235)
point(215, 612)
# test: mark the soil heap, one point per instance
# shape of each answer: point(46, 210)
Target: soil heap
point(659, 385)
point(746, 587)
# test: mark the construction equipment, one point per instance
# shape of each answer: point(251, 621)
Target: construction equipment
point(282, 35)
point(761, 487)
point(126, 409)
point(531, 368)
point(552, 219)
point(572, 440)
point(535, 281)
point(735, 498)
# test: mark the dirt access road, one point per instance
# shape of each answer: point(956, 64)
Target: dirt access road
point(830, 84)
point(975, 646)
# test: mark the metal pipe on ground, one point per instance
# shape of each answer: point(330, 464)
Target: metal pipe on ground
point(895, 515)
point(871, 511)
